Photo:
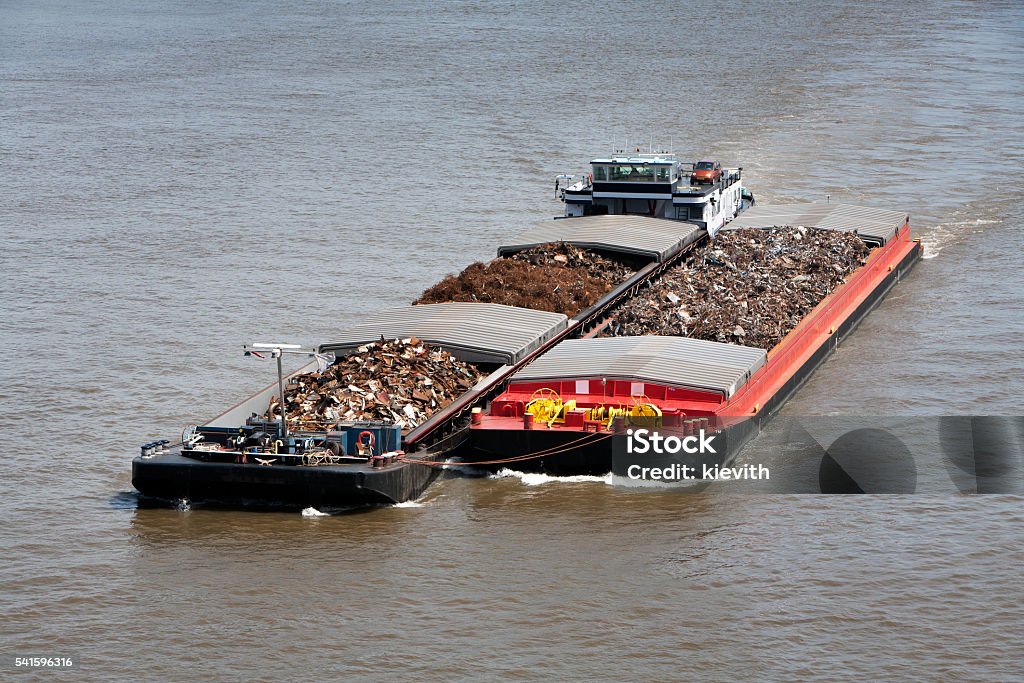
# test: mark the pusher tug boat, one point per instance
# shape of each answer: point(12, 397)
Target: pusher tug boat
point(658, 185)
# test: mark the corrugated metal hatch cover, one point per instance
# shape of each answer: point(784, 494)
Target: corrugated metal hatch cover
point(873, 225)
point(653, 238)
point(474, 332)
point(676, 361)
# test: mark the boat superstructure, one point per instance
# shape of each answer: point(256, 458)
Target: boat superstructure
point(656, 184)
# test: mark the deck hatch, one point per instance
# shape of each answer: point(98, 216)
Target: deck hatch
point(474, 332)
point(876, 226)
point(873, 225)
point(654, 238)
point(674, 361)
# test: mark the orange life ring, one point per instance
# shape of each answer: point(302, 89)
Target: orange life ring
point(359, 439)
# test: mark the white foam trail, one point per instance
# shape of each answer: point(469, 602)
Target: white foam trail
point(465, 468)
point(937, 241)
point(408, 504)
point(945, 234)
point(184, 505)
point(313, 512)
point(537, 479)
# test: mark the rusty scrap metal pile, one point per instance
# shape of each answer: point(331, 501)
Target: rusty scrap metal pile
point(748, 287)
point(562, 254)
point(556, 277)
point(402, 380)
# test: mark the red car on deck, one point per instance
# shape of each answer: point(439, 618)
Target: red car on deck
point(706, 172)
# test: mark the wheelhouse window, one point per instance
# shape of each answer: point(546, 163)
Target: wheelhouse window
point(631, 173)
point(600, 174)
point(662, 173)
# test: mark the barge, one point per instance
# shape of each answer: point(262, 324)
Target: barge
point(553, 395)
point(242, 458)
point(569, 412)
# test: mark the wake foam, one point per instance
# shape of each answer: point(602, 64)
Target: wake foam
point(945, 234)
point(313, 512)
point(464, 469)
point(538, 479)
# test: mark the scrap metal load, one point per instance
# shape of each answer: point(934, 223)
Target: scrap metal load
point(403, 381)
point(747, 287)
point(556, 277)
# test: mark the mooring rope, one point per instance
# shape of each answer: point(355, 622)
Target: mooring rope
point(554, 450)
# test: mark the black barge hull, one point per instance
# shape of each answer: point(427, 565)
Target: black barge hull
point(172, 477)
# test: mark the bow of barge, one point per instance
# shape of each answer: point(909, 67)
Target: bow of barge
point(257, 455)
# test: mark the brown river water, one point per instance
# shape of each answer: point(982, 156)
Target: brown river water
point(181, 178)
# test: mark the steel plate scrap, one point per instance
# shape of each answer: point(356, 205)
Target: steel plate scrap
point(747, 287)
point(404, 381)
